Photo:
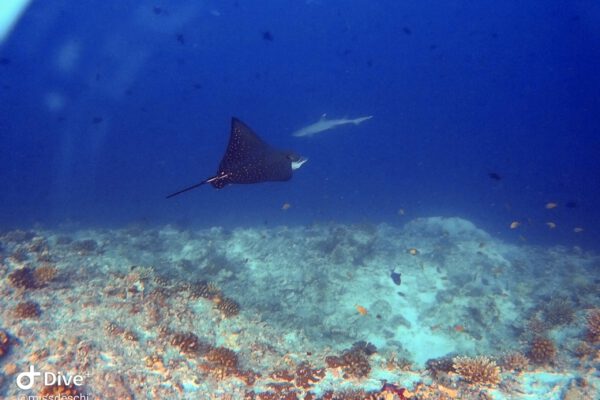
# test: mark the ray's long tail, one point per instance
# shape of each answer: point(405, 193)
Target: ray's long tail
point(187, 189)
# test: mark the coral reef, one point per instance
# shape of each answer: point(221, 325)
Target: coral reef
point(4, 343)
point(18, 236)
point(155, 362)
point(559, 311)
point(22, 278)
point(222, 362)
point(306, 376)
point(44, 274)
point(479, 370)
point(205, 290)
point(84, 247)
point(438, 367)
point(228, 307)
point(354, 362)
point(189, 344)
point(59, 391)
point(63, 240)
point(158, 334)
point(542, 350)
point(130, 336)
point(583, 350)
point(535, 326)
point(357, 394)
point(515, 362)
point(19, 256)
point(113, 329)
point(593, 325)
point(27, 310)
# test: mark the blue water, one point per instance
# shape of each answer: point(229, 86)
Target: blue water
point(106, 107)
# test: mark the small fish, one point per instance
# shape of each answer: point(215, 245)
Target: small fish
point(361, 310)
point(551, 225)
point(494, 176)
point(401, 211)
point(267, 36)
point(406, 30)
point(396, 277)
point(4, 61)
point(551, 205)
point(97, 120)
point(459, 328)
point(180, 38)
point(286, 206)
point(515, 224)
point(412, 251)
point(577, 229)
point(571, 204)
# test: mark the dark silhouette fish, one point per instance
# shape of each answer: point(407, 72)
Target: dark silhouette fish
point(495, 176)
point(396, 277)
point(248, 159)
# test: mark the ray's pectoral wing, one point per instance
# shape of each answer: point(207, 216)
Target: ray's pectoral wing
point(248, 159)
point(269, 166)
point(244, 146)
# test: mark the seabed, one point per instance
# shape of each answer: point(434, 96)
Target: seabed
point(436, 309)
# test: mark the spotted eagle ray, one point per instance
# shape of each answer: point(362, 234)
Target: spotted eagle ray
point(325, 124)
point(248, 159)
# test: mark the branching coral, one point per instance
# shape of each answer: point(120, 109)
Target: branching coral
point(593, 325)
point(479, 370)
point(558, 311)
point(542, 350)
point(228, 307)
point(354, 362)
point(203, 289)
point(306, 376)
point(189, 344)
point(515, 361)
point(223, 362)
point(27, 310)
point(438, 367)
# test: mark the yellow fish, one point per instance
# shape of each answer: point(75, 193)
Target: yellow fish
point(551, 225)
point(361, 310)
point(413, 252)
point(550, 206)
point(514, 224)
